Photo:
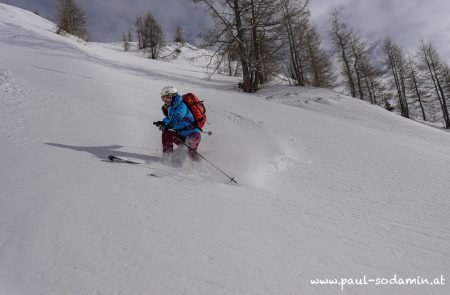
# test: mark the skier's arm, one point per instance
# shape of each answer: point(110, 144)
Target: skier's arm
point(177, 117)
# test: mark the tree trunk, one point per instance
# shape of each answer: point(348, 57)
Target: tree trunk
point(416, 89)
point(247, 80)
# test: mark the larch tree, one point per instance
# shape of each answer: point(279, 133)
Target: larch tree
point(363, 67)
point(295, 28)
point(396, 63)
point(319, 69)
point(150, 35)
point(125, 42)
point(179, 35)
point(71, 18)
point(432, 64)
point(341, 37)
point(416, 88)
point(252, 26)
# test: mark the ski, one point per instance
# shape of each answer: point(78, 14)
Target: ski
point(155, 175)
point(117, 159)
point(113, 158)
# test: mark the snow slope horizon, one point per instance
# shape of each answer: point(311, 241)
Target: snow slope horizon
point(329, 186)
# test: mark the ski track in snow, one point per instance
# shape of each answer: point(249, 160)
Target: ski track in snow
point(328, 186)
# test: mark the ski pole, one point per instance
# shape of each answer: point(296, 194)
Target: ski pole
point(220, 170)
point(192, 150)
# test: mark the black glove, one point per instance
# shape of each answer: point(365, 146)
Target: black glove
point(161, 126)
point(169, 126)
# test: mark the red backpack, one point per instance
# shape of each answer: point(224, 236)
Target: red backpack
point(197, 109)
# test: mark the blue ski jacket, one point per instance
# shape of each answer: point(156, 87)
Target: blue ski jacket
point(180, 118)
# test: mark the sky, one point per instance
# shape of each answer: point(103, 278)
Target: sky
point(405, 21)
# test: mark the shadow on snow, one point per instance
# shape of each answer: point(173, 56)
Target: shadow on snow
point(102, 152)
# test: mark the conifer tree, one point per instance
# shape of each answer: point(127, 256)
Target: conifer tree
point(179, 35)
point(125, 42)
point(150, 35)
point(71, 18)
point(437, 71)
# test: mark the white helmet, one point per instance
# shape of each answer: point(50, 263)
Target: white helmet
point(169, 90)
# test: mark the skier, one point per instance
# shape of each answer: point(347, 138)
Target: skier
point(178, 124)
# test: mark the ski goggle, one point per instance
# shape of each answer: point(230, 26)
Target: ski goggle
point(166, 97)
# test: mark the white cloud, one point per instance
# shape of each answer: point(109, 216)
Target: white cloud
point(403, 20)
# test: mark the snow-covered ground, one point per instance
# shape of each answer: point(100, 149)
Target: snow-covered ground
point(329, 186)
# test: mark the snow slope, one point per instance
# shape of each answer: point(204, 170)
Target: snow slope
point(329, 187)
